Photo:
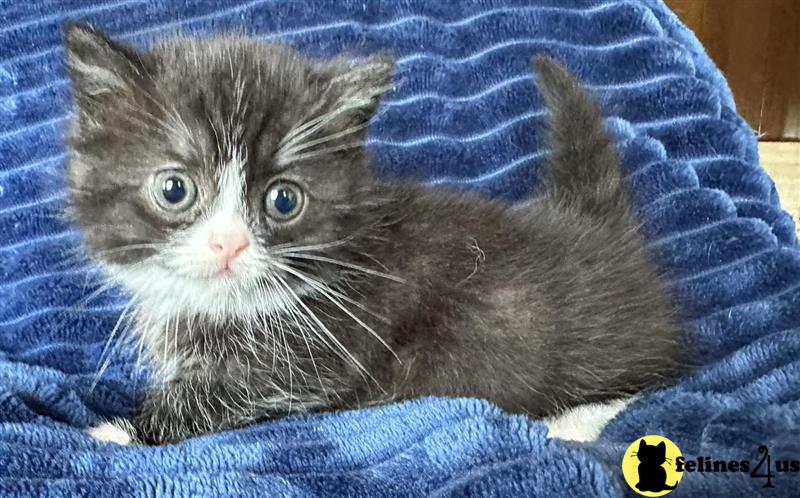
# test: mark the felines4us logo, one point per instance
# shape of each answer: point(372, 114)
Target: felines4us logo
point(654, 466)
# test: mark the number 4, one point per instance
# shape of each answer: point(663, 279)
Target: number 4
point(769, 475)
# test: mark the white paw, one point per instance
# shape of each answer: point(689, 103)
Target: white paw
point(111, 432)
point(584, 423)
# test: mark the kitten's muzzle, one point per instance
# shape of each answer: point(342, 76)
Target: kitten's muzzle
point(228, 244)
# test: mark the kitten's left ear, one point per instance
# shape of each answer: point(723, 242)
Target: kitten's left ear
point(96, 64)
point(358, 87)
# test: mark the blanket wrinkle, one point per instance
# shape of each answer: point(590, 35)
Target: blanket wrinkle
point(466, 114)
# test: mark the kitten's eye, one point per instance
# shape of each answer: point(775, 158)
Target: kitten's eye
point(173, 191)
point(284, 200)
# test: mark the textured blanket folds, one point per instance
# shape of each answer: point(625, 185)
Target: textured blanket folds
point(465, 113)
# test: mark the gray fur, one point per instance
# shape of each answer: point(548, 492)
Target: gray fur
point(409, 291)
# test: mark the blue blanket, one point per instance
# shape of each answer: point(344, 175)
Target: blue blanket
point(465, 113)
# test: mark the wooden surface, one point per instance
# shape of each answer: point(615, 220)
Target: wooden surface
point(756, 44)
point(782, 162)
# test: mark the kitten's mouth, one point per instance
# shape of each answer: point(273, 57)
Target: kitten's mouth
point(225, 272)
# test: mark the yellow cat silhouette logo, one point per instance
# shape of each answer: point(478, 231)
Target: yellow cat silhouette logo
point(649, 466)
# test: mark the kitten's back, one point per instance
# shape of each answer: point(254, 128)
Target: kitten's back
point(562, 304)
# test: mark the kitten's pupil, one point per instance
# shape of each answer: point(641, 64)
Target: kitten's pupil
point(174, 190)
point(285, 200)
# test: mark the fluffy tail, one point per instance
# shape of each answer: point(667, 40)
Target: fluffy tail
point(584, 169)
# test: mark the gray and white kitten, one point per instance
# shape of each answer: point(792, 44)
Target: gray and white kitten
point(224, 182)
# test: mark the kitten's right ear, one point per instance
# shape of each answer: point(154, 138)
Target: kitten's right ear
point(359, 86)
point(96, 64)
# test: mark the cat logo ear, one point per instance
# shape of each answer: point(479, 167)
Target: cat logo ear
point(642, 445)
point(661, 446)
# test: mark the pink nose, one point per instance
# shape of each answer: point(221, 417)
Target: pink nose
point(228, 244)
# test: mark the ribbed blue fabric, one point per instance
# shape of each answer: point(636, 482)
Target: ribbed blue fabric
point(464, 113)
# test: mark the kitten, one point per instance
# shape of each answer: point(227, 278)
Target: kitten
point(224, 182)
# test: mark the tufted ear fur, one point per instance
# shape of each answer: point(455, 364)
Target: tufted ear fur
point(96, 64)
point(358, 87)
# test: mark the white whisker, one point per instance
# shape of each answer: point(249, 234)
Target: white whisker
point(324, 290)
point(106, 354)
point(311, 315)
point(327, 138)
point(308, 155)
point(299, 255)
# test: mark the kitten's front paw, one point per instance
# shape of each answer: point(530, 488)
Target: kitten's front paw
point(118, 432)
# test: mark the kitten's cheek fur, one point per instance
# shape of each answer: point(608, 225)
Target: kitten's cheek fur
point(118, 432)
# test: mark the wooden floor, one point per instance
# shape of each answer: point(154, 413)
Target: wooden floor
point(782, 162)
point(756, 44)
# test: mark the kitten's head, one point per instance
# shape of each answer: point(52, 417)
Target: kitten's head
point(652, 454)
point(194, 164)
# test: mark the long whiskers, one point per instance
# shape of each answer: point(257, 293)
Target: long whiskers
point(292, 145)
point(323, 332)
point(331, 296)
point(301, 255)
point(321, 152)
point(108, 351)
point(276, 249)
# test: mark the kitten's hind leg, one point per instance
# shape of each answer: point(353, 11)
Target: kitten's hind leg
point(584, 423)
point(117, 431)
